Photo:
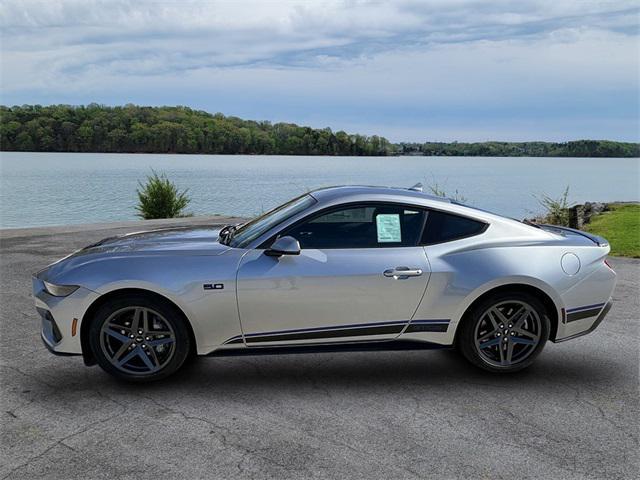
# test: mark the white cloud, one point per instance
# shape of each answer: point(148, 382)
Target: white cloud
point(331, 62)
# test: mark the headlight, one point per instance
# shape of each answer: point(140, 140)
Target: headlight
point(59, 290)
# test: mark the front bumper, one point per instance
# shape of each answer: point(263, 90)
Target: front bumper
point(57, 316)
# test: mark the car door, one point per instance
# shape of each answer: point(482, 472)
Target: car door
point(359, 276)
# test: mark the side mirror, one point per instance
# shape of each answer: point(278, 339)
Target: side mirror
point(283, 246)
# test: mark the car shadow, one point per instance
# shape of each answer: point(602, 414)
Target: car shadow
point(274, 374)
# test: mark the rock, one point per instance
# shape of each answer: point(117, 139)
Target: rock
point(579, 215)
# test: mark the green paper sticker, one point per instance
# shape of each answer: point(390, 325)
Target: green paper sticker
point(388, 226)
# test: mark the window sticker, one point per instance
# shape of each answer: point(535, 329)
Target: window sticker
point(388, 227)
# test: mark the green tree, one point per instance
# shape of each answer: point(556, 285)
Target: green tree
point(132, 128)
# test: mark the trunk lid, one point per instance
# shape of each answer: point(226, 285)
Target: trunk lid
point(576, 236)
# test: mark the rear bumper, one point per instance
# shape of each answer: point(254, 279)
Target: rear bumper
point(594, 325)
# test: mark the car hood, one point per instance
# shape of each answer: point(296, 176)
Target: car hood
point(169, 241)
point(202, 239)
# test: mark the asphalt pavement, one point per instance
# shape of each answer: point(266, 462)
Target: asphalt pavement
point(387, 415)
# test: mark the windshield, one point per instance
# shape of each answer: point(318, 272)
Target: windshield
point(251, 230)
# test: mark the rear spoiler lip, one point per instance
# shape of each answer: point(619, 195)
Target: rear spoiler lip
point(601, 242)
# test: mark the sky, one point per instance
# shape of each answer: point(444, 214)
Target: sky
point(432, 70)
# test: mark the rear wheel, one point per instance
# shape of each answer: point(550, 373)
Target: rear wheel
point(505, 332)
point(139, 338)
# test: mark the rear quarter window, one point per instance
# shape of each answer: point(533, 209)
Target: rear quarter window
point(445, 227)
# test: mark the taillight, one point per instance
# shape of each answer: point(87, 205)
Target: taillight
point(608, 265)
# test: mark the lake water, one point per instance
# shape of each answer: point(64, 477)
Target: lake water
point(39, 189)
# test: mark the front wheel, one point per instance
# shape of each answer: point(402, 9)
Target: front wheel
point(138, 338)
point(505, 333)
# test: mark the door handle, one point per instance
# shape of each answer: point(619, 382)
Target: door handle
point(400, 273)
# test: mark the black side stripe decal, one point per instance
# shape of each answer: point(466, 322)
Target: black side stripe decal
point(592, 312)
point(427, 327)
point(342, 332)
point(385, 328)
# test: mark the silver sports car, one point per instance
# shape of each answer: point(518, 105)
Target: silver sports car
point(341, 268)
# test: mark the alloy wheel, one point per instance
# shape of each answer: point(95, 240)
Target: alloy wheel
point(137, 340)
point(507, 333)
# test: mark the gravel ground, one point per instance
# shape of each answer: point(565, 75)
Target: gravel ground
point(574, 414)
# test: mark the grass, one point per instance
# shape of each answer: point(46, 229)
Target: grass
point(621, 226)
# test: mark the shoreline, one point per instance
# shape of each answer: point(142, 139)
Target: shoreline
point(213, 220)
point(393, 155)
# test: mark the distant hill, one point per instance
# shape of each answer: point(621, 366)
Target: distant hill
point(136, 129)
point(577, 148)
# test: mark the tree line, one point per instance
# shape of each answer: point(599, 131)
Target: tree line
point(578, 148)
point(136, 129)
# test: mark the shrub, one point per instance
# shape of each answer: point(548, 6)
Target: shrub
point(439, 192)
point(557, 209)
point(160, 198)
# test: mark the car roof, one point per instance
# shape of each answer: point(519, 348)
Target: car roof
point(363, 193)
point(342, 191)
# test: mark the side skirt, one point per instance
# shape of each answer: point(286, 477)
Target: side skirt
point(391, 345)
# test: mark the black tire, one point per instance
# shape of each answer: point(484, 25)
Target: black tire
point(165, 340)
point(484, 345)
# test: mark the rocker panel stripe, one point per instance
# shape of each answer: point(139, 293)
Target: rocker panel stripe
point(418, 327)
point(352, 330)
point(346, 332)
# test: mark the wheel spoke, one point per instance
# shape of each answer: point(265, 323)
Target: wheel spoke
point(520, 316)
point(116, 326)
point(501, 319)
point(128, 356)
point(490, 343)
point(502, 354)
point(491, 317)
point(508, 353)
point(145, 320)
point(137, 314)
point(160, 341)
point(154, 357)
point(116, 335)
point(522, 341)
point(489, 335)
point(526, 333)
point(145, 358)
point(125, 346)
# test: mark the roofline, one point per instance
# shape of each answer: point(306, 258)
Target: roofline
point(412, 196)
point(411, 191)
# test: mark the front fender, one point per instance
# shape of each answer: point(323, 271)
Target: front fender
point(212, 313)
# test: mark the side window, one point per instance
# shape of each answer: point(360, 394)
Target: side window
point(370, 226)
point(445, 227)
